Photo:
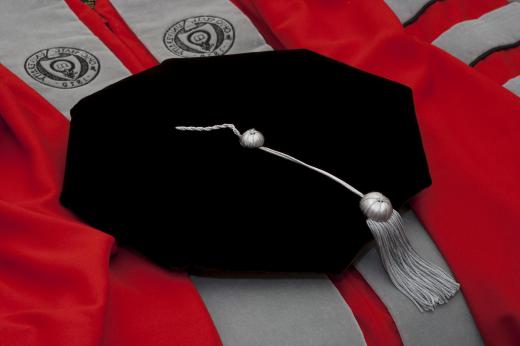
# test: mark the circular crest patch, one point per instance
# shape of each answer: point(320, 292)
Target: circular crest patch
point(200, 36)
point(62, 67)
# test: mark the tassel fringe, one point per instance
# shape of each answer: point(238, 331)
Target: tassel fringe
point(424, 283)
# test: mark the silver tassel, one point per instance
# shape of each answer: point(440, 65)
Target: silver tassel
point(424, 283)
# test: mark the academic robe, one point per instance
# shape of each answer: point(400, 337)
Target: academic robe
point(473, 195)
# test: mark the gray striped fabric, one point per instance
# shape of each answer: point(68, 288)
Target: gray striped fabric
point(450, 324)
point(308, 310)
point(299, 310)
point(513, 85)
point(407, 10)
point(31, 26)
point(152, 21)
point(471, 40)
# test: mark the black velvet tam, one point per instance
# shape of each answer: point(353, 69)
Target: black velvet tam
point(201, 200)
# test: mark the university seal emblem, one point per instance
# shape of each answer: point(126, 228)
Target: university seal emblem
point(62, 67)
point(200, 36)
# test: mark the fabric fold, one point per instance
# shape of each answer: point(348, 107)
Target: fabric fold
point(472, 203)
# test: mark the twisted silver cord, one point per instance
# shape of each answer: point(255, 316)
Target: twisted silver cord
point(273, 152)
point(209, 128)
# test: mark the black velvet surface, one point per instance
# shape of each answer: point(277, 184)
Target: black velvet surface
point(200, 200)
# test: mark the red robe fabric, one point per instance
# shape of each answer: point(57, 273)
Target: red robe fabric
point(468, 124)
point(501, 66)
point(442, 15)
point(54, 269)
point(57, 286)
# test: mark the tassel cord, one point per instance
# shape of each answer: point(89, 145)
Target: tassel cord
point(424, 283)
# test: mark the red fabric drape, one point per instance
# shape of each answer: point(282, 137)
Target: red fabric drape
point(371, 314)
point(55, 283)
point(53, 269)
point(469, 127)
point(56, 286)
point(501, 66)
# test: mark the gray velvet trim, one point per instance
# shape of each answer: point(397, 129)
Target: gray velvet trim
point(150, 22)
point(472, 40)
point(299, 310)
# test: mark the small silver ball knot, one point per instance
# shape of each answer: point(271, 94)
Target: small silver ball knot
point(252, 139)
point(376, 206)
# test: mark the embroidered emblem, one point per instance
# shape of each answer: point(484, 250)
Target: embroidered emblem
point(90, 3)
point(62, 67)
point(200, 36)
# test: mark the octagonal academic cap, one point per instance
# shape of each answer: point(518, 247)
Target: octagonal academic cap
point(155, 161)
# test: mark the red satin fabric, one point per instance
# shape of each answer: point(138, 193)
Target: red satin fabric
point(469, 127)
point(370, 312)
point(57, 288)
point(501, 66)
point(53, 269)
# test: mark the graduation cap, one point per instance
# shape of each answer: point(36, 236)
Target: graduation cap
point(254, 162)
